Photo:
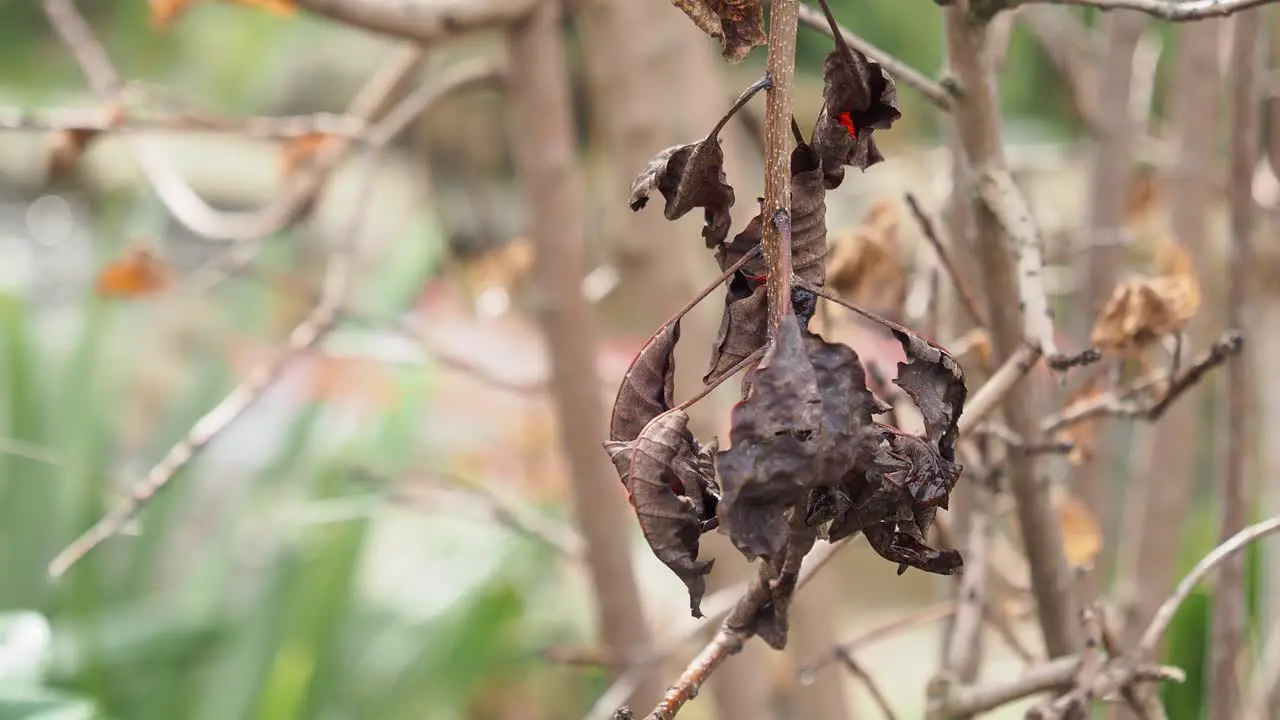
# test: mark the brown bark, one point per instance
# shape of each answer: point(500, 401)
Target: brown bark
point(1227, 637)
point(426, 21)
point(978, 119)
point(1194, 123)
point(543, 138)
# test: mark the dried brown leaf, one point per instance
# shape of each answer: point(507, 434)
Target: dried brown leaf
point(739, 23)
point(865, 265)
point(775, 438)
point(860, 97)
point(666, 475)
point(1081, 535)
point(743, 327)
point(140, 273)
point(808, 216)
point(1143, 309)
point(689, 176)
point(648, 387)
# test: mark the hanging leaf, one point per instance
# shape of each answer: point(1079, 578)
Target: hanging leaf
point(935, 382)
point(648, 387)
point(689, 176)
point(860, 97)
point(743, 327)
point(775, 436)
point(674, 494)
point(739, 23)
point(808, 216)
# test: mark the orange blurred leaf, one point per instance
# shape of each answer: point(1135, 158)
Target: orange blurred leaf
point(165, 12)
point(277, 7)
point(298, 153)
point(1081, 535)
point(138, 274)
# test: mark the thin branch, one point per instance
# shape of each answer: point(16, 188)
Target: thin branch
point(877, 695)
point(422, 21)
point(186, 206)
point(1123, 402)
point(963, 646)
point(1164, 615)
point(988, 397)
point(1170, 10)
point(304, 336)
point(29, 451)
point(98, 120)
point(931, 233)
point(935, 92)
point(910, 621)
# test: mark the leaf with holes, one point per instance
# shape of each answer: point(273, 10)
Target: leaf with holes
point(859, 98)
point(671, 483)
point(739, 23)
point(689, 176)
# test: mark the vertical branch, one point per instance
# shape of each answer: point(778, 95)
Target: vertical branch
point(543, 140)
point(1227, 637)
point(1193, 117)
point(978, 120)
point(780, 69)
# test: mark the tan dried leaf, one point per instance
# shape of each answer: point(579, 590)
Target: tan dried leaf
point(865, 265)
point(1143, 308)
point(1081, 534)
point(738, 23)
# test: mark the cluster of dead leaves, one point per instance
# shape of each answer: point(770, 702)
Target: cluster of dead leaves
point(1145, 308)
point(738, 23)
point(807, 458)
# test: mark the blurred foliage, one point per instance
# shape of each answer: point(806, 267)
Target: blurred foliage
point(255, 601)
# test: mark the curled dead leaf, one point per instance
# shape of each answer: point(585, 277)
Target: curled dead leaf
point(859, 98)
point(739, 23)
point(648, 387)
point(1143, 309)
point(666, 474)
point(689, 176)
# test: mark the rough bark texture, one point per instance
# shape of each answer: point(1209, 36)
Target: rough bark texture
point(543, 139)
point(977, 114)
point(1227, 637)
point(1194, 122)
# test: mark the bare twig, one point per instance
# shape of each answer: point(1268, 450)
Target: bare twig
point(307, 334)
point(178, 197)
point(1170, 10)
point(935, 92)
point(963, 644)
point(288, 127)
point(1124, 402)
point(422, 21)
point(29, 451)
point(877, 695)
point(910, 621)
point(988, 397)
point(931, 233)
